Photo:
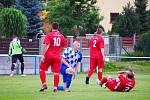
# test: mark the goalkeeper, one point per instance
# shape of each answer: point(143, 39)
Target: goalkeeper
point(16, 51)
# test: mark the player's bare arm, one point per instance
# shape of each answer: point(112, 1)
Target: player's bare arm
point(76, 70)
point(45, 46)
point(65, 62)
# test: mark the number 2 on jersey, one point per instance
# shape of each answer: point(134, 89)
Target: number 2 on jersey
point(56, 41)
point(94, 43)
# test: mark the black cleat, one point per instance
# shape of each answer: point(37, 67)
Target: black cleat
point(55, 90)
point(43, 88)
point(87, 80)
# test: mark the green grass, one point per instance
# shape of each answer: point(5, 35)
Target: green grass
point(27, 88)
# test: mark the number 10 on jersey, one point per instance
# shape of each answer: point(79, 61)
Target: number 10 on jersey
point(56, 41)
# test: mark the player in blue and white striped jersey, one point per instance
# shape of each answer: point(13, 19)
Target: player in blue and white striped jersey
point(70, 62)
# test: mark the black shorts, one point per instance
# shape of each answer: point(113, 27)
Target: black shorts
point(17, 56)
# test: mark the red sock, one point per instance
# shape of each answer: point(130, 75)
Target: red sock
point(90, 73)
point(43, 77)
point(104, 80)
point(100, 75)
point(56, 81)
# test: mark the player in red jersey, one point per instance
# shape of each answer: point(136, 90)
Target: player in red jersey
point(53, 44)
point(96, 54)
point(123, 83)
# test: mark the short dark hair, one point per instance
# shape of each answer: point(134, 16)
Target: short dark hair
point(130, 75)
point(100, 26)
point(55, 25)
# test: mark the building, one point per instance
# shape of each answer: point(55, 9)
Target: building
point(110, 9)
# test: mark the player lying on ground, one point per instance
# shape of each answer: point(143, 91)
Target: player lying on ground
point(123, 83)
point(70, 62)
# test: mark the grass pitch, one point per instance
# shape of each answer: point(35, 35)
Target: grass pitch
point(27, 88)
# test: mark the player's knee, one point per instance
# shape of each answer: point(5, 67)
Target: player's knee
point(22, 63)
point(69, 71)
point(14, 64)
point(100, 70)
point(56, 73)
point(41, 70)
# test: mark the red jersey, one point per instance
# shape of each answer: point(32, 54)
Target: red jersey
point(121, 83)
point(96, 43)
point(56, 42)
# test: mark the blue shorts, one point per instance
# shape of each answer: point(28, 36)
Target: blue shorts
point(63, 69)
point(65, 76)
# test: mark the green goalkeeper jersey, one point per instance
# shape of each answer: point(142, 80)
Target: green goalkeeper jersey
point(15, 47)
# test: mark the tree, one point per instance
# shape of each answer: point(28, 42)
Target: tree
point(12, 21)
point(143, 15)
point(31, 8)
point(127, 23)
point(86, 15)
point(90, 21)
point(61, 12)
point(74, 16)
point(8, 3)
point(143, 43)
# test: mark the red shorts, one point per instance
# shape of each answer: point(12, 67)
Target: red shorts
point(53, 62)
point(96, 62)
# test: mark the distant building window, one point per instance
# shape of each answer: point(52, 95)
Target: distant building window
point(113, 17)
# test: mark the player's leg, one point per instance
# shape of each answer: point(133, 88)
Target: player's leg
point(64, 80)
point(14, 60)
point(43, 67)
point(20, 57)
point(92, 69)
point(100, 64)
point(68, 83)
point(56, 81)
point(104, 80)
point(55, 67)
point(64, 75)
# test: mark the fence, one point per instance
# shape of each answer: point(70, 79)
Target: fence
point(31, 45)
point(113, 50)
point(32, 63)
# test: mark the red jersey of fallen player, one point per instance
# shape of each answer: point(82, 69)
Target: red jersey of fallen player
point(122, 84)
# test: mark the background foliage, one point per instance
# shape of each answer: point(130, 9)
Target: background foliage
point(76, 17)
point(127, 23)
point(7, 3)
point(30, 8)
point(144, 43)
point(12, 21)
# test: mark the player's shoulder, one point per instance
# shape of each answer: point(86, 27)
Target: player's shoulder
point(79, 52)
point(68, 49)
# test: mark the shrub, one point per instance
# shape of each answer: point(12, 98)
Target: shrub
point(12, 21)
point(136, 54)
point(144, 43)
point(110, 66)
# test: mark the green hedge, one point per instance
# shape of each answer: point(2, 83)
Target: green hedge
point(144, 43)
point(136, 54)
point(111, 66)
point(12, 21)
